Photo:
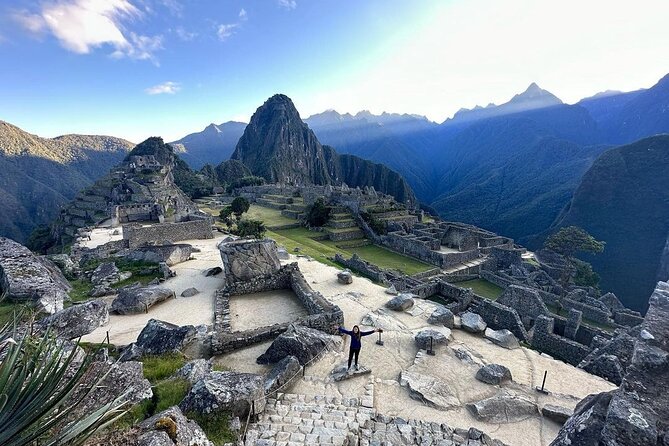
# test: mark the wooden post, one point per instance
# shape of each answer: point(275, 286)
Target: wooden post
point(429, 350)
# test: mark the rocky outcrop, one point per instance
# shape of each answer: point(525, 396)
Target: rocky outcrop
point(610, 360)
point(345, 277)
point(25, 277)
point(170, 254)
point(230, 392)
point(106, 273)
point(558, 414)
point(194, 370)
point(503, 408)
point(472, 322)
point(171, 428)
point(138, 299)
point(442, 316)
point(244, 260)
point(400, 302)
point(159, 337)
point(637, 412)
point(279, 147)
point(282, 372)
point(77, 320)
point(426, 339)
point(493, 374)
point(503, 338)
point(299, 341)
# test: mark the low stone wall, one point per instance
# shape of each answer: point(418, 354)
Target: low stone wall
point(545, 340)
point(358, 265)
point(422, 250)
point(83, 255)
point(627, 318)
point(222, 342)
point(499, 317)
point(345, 236)
point(460, 298)
point(506, 256)
point(526, 301)
point(167, 232)
point(496, 279)
point(589, 312)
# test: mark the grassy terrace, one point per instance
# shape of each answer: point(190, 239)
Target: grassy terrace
point(482, 287)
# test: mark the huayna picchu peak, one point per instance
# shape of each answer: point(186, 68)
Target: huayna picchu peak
point(278, 146)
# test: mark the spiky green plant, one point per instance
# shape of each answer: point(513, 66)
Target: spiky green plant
point(37, 395)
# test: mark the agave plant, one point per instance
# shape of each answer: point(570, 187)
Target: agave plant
point(40, 384)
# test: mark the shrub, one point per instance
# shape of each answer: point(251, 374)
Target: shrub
point(318, 213)
point(251, 228)
point(239, 205)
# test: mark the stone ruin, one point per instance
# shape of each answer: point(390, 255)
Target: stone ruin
point(252, 266)
point(637, 413)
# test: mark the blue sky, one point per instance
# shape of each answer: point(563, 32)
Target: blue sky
point(136, 68)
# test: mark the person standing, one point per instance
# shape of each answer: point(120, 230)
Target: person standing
point(356, 338)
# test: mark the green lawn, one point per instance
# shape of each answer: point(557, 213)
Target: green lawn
point(321, 250)
point(271, 217)
point(482, 287)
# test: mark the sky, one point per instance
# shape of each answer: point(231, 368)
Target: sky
point(140, 68)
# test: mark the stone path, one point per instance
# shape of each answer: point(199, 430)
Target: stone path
point(295, 419)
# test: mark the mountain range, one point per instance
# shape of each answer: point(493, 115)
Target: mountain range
point(39, 175)
point(212, 145)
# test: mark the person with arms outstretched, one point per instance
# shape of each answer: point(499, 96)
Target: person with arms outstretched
point(356, 336)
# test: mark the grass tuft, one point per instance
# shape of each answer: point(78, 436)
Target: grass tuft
point(157, 368)
point(216, 426)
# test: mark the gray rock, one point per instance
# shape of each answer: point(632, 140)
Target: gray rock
point(138, 299)
point(193, 371)
point(299, 341)
point(503, 338)
point(400, 302)
point(229, 392)
point(472, 322)
point(282, 372)
point(190, 292)
point(213, 271)
point(171, 254)
point(585, 426)
point(345, 277)
point(558, 414)
point(424, 337)
point(188, 432)
point(606, 366)
point(25, 277)
point(428, 389)
point(282, 253)
point(65, 263)
point(244, 260)
point(493, 374)
point(106, 273)
point(131, 352)
point(392, 290)
point(165, 270)
point(159, 337)
point(77, 320)
point(101, 290)
point(342, 372)
point(442, 316)
point(503, 408)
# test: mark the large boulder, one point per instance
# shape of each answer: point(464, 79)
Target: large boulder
point(244, 260)
point(493, 374)
point(431, 338)
point(503, 338)
point(159, 337)
point(170, 254)
point(194, 370)
point(25, 277)
point(472, 322)
point(138, 299)
point(401, 302)
point(503, 408)
point(606, 366)
point(171, 428)
point(585, 426)
point(611, 359)
point(282, 372)
point(77, 320)
point(558, 414)
point(229, 392)
point(345, 277)
point(107, 273)
point(299, 341)
point(442, 316)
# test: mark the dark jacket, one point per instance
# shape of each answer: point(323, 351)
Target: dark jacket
point(355, 340)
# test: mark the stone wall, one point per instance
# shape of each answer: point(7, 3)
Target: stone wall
point(82, 254)
point(545, 340)
point(526, 301)
point(506, 256)
point(166, 232)
point(589, 312)
point(499, 317)
point(627, 318)
point(498, 280)
point(355, 263)
point(170, 254)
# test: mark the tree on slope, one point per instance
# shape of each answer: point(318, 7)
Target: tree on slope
point(568, 242)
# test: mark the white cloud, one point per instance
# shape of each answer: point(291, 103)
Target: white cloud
point(82, 25)
point(168, 87)
point(225, 31)
point(242, 14)
point(175, 8)
point(288, 4)
point(184, 35)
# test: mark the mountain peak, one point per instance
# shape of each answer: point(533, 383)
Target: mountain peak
point(534, 93)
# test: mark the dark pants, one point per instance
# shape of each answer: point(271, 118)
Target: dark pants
point(351, 353)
